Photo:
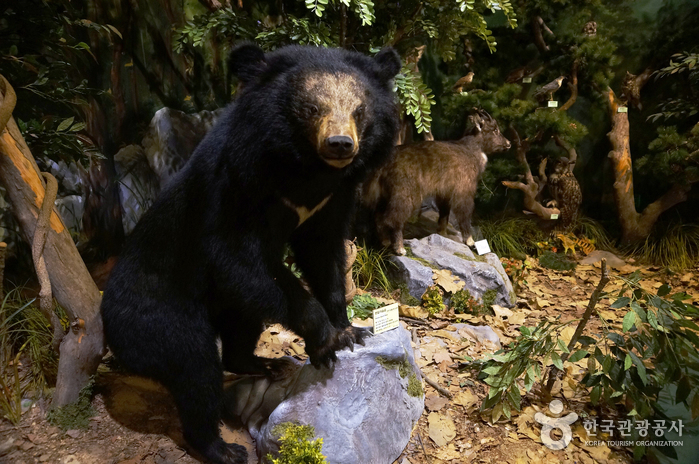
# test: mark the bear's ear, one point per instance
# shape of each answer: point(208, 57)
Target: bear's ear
point(246, 62)
point(388, 61)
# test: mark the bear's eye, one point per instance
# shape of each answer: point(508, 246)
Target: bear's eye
point(359, 112)
point(312, 109)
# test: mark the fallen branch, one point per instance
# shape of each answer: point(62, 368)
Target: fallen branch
point(554, 373)
point(442, 391)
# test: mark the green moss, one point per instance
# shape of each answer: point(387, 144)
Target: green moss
point(556, 261)
point(296, 446)
point(406, 298)
point(404, 370)
point(409, 254)
point(462, 302)
point(75, 415)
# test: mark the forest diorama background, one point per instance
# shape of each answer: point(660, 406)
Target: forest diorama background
point(89, 76)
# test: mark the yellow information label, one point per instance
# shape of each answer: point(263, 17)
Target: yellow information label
point(385, 318)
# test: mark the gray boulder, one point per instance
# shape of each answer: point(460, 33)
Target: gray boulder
point(364, 408)
point(172, 137)
point(479, 274)
point(416, 276)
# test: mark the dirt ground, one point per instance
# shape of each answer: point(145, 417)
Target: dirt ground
point(136, 421)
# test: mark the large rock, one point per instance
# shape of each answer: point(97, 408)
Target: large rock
point(138, 184)
point(479, 274)
point(365, 408)
point(416, 276)
point(172, 137)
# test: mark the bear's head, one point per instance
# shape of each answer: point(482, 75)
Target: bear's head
point(331, 98)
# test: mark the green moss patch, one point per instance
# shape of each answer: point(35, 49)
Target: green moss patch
point(404, 370)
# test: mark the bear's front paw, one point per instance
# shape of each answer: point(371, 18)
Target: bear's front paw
point(323, 356)
point(357, 335)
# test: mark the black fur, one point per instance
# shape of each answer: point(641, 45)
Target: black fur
point(206, 259)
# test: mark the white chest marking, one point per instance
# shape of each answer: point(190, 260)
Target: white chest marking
point(303, 212)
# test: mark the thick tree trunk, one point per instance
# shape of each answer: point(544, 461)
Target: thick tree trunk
point(635, 226)
point(83, 347)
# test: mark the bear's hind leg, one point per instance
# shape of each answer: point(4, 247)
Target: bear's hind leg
point(198, 397)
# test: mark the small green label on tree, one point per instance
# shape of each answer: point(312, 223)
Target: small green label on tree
point(622, 109)
point(526, 80)
point(554, 216)
point(553, 104)
point(385, 318)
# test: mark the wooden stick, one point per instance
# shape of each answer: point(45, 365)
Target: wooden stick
point(596, 294)
point(437, 387)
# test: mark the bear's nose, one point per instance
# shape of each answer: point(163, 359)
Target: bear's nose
point(340, 145)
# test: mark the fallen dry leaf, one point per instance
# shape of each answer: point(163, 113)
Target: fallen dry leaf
point(466, 398)
point(435, 402)
point(442, 429)
point(445, 279)
point(447, 453)
point(416, 312)
point(441, 356)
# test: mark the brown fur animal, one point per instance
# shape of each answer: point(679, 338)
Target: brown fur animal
point(447, 170)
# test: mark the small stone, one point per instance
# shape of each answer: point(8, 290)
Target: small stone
point(27, 445)
point(73, 433)
point(7, 446)
point(44, 457)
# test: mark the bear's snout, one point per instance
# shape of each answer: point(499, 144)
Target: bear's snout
point(339, 146)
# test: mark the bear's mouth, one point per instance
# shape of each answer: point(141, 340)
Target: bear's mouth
point(338, 162)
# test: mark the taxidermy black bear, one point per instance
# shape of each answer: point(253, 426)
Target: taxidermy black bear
point(280, 167)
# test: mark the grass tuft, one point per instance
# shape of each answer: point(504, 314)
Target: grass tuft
point(370, 269)
point(512, 237)
point(675, 246)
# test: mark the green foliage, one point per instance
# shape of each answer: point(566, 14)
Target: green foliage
point(370, 269)
point(415, 98)
point(432, 300)
point(75, 415)
point(675, 246)
point(25, 341)
point(658, 347)
point(362, 306)
point(687, 105)
point(225, 22)
point(673, 157)
point(296, 446)
point(556, 261)
point(463, 303)
point(512, 237)
point(517, 270)
point(502, 370)
point(46, 59)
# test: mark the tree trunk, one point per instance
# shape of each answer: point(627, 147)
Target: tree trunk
point(83, 347)
point(635, 226)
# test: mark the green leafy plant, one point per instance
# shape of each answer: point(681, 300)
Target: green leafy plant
point(517, 270)
point(502, 370)
point(297, 445)
point(433, 300)
point(362, 306)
